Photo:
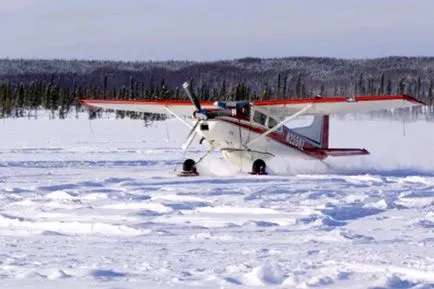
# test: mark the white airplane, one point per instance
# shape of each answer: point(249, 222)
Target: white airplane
point(255, 131)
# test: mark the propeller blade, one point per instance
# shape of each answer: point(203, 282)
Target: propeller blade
point(190, 136)
point(191, 95)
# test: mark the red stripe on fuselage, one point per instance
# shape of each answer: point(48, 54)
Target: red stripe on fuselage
point(281, 138)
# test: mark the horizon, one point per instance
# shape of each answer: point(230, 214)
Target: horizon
point(217, 60)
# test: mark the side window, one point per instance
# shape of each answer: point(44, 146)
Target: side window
point(259, 117)
point(272, 122)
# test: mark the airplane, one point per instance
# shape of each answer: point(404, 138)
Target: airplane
point(253, 132)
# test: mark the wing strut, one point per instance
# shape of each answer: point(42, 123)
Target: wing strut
point(276, 127)
point(178, 117)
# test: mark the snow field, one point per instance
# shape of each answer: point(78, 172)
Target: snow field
point(98, 205)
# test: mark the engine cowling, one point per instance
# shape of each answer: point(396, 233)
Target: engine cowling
point(210, 114)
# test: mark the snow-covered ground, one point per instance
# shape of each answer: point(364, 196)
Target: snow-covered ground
point(97, 204)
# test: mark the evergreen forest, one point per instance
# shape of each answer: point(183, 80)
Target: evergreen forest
point(27, 85)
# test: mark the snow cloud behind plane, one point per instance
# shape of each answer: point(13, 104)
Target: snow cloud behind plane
point(210, 30)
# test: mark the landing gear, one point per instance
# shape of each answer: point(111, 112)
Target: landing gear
point(188, 168)
point(258, 167)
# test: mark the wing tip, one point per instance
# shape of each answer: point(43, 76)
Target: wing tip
point(413, 99)
point(85, 103)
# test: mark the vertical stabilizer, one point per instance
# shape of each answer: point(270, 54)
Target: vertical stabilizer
point(317, 131)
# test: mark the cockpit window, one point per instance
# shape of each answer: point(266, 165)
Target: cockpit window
point(259, 117)
point(244, 112)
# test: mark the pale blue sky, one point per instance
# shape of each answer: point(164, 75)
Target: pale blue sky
point(214, 29)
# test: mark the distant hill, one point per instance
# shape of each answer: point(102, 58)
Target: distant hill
point(61, 82)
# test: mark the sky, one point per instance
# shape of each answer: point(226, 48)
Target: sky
point(204, 30)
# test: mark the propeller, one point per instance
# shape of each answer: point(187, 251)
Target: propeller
point(191, 95)
point(190, 136)
point(200, 114)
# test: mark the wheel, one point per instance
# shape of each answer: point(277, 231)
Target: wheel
point(188, 169)
point(258, 167)
point(188, 165)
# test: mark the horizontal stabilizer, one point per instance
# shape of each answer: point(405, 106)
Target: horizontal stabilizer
point(340, 152)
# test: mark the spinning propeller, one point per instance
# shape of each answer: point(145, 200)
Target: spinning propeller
point(201, 114)
point(191, 96)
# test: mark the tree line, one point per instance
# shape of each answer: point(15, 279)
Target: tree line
point(58, 85)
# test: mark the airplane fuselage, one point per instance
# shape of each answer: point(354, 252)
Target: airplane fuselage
point(240, 142)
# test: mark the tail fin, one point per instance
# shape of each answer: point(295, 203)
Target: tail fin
point(317, 131)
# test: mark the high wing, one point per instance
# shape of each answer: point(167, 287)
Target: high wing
point(182, 108)
point(278, 108)
point(334, 105)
